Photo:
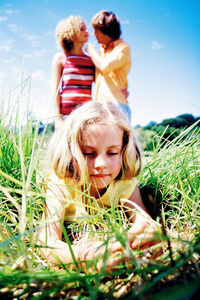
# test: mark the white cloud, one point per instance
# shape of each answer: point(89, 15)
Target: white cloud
point(40, 53)
point(32, 38)
point(6, 45)
point(8, 60)
point(29, 37)
point(51, 14)
point(3, 19)
point(11, 11)
point(18, 30)
point(14, 28)
point(48, 33)
point(125, 22)
point(139, 21)
point(2, 76)
point(156, 46)
point(38, 75)
point(5, 48)
point(25, 55)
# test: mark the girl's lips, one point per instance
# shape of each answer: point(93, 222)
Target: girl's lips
point(99, 175)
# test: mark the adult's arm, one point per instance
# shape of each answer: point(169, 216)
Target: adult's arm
point(119, 57)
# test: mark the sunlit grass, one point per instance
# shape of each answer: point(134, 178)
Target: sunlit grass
point(169, 183)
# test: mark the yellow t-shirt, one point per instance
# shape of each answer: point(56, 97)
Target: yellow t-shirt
point(116, 63)
point(72, 198)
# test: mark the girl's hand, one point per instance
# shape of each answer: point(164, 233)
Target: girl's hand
point(95, 250)
point(145, 235)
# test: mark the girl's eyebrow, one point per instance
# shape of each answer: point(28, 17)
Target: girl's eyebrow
point(115, 146)
point(91, 147)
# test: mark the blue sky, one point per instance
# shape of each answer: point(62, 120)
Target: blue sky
point(164, 37)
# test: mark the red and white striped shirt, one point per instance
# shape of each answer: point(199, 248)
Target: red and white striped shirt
point(76, 85)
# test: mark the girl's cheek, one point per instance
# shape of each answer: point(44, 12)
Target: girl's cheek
point(88, 165)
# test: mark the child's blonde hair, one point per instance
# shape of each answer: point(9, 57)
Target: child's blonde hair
point(67, 30)
point(64, 150)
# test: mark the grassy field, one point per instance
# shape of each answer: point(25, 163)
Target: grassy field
point(170, 186)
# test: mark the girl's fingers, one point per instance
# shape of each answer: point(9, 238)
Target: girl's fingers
point(94, 250)
point(144, 240)
point(150, 243)
point(139, 228)
point(114, 261)
point(114, 247)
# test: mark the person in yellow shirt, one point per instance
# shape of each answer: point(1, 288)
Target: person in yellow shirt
point(112, 62)
point(95, 160)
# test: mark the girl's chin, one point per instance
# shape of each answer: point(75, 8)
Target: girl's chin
point(98, 184)
point(97, 191)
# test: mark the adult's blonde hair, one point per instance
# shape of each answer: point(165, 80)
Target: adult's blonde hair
point(67, 30)
point(64, 150)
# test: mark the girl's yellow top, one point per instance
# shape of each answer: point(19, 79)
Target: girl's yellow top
point(73, 197)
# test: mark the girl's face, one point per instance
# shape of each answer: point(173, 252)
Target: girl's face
point(102, 148)
point(84, 35)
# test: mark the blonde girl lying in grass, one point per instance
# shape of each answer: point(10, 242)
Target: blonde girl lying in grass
point(95, 159)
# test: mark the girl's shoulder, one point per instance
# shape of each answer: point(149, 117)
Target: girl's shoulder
point(125, 187)
point(125, 184)
point(51, 177)
point(59, 58)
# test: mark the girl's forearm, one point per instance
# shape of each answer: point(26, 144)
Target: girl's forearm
point(56, 102)
point(57, 113)
point(56, 251)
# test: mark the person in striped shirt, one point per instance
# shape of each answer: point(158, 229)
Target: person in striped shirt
point(72, 70)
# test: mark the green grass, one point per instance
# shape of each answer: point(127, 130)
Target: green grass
point(169, 183)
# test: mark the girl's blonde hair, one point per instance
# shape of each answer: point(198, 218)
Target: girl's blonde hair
point(64, 150)
point(67, 30)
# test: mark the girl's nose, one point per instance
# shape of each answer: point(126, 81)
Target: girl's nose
point(100, 162)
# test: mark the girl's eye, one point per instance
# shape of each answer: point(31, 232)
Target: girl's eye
point(88, 154)
point(113, 153)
